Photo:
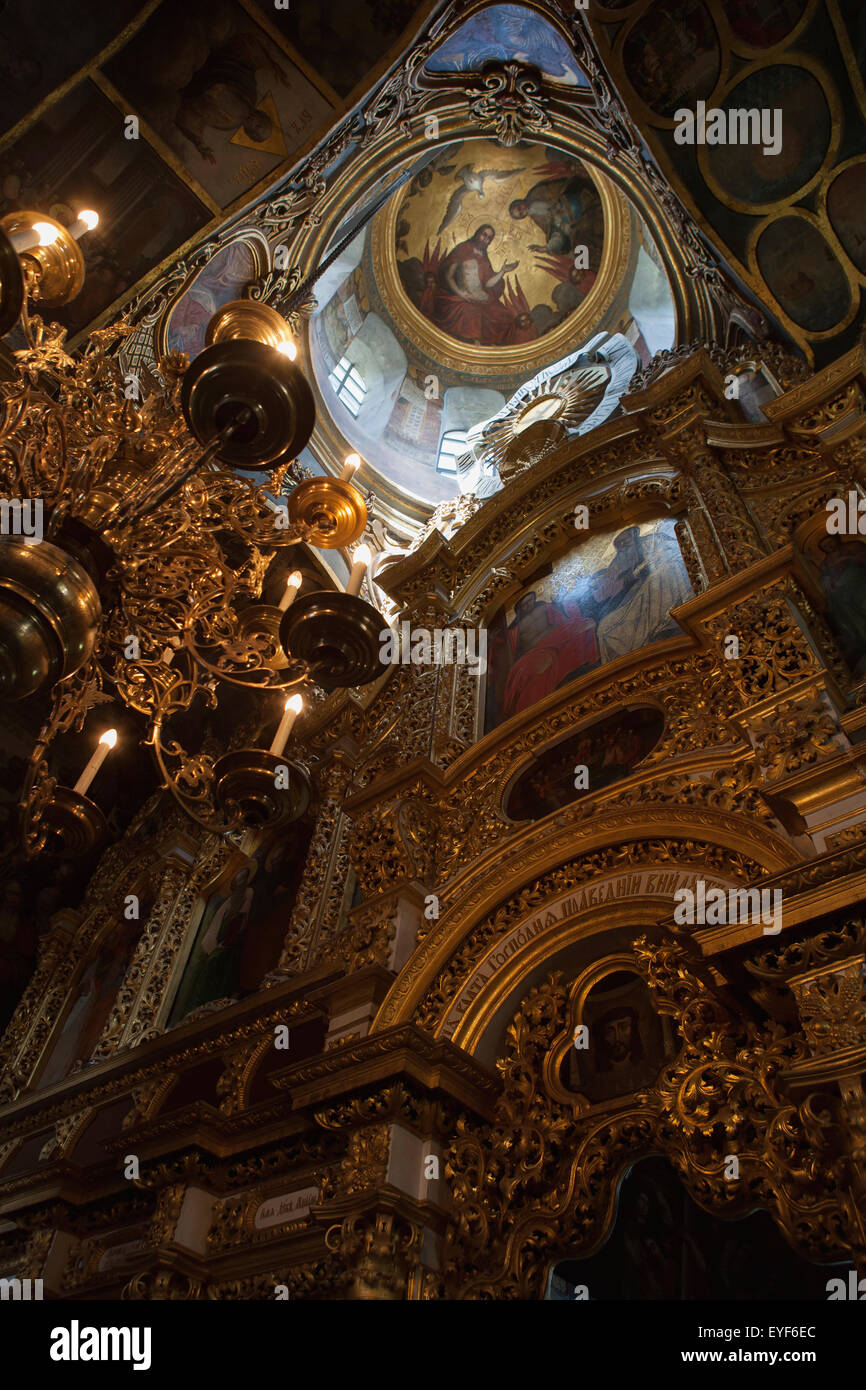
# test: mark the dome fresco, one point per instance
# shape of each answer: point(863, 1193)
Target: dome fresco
point(424, 328)
point(496, 246)
point(503, 33)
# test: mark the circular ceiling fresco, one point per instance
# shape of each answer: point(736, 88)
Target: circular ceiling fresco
point(496, 248)
point(486, 265)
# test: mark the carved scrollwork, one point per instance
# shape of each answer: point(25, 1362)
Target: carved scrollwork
point(512, 105)
point(539, 1182)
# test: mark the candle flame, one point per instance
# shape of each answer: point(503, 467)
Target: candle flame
point(363, 555)
point(90, 217)
point(295, 703)
point(352, 461)
point(47, 234)
point(109, 737)
point(288, 349)
point(294, 580)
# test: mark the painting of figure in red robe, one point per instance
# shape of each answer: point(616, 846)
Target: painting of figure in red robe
point(498, 246)
point(607, 597)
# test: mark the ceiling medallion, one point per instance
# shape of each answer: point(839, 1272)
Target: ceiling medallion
point(512, 358)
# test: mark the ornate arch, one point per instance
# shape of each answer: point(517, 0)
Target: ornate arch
point(546, 864)
point(539, 1183)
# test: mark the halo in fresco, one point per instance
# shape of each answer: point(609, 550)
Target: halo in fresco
point(487, 241)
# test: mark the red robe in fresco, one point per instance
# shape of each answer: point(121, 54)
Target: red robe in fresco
point(568, 644)
point(483, 321)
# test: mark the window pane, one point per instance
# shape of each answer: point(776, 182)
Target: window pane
point(451, 446)
point(348, 384)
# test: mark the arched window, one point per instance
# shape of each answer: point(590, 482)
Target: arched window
point(451, 446)
point(348, 384)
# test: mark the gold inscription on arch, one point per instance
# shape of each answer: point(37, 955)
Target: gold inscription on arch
point(614, 888)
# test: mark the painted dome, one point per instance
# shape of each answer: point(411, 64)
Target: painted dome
point(486, 265)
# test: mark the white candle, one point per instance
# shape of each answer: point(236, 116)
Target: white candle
point(360, 560)
point(85, 222)
point(293, 584)
point(294, 705)
point(40, 234)
point(350, 466)
point(103, 747)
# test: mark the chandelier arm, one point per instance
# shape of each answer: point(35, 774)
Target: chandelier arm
point(31, 327)
point(71, 700)
point(284, 682)
point(185, 802)
point(172, 488)
point(35, 795)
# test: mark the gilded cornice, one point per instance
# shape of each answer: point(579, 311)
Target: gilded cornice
point(403, 1050)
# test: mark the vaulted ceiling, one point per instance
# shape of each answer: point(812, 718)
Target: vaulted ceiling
point(213, 134)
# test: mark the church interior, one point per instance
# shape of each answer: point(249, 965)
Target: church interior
point(433, 650)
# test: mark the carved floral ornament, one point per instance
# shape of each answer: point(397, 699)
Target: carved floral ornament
point(539, 1183)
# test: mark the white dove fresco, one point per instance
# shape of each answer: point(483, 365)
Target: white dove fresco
point(473, 181)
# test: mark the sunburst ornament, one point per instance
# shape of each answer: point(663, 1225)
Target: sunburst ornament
point(543, 419)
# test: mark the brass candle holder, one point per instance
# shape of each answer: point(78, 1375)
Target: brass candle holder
point(56, 270)
point(339, 636)
point(259, 623)
point(334, 511)
point(74, 825)
point(261, 788)
point(254, 393)
point(49, 615)
point(247, 318)
point(245, 382)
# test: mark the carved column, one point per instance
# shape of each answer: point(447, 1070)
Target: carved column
point(142, 993)
point(316, 906)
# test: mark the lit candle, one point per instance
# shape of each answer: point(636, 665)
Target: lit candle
point(85, 222)
point(351, 465)
point(293, 707)
point(288, 349)
point(103, 747)
point(40, 234)
point(360, 560)
point(293, 584)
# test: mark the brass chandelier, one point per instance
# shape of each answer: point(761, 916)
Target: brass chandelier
point(144, 582)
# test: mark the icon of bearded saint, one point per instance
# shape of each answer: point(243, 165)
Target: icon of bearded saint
point(467, 303)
